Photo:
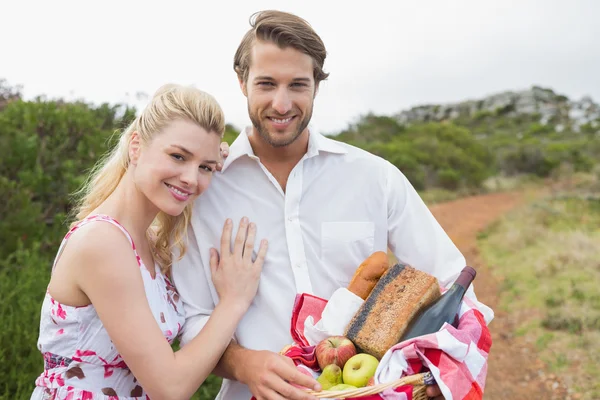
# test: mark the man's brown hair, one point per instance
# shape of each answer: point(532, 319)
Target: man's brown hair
point(284, 30)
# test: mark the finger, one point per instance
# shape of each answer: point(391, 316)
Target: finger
point(290, 392)
point(226, 239)
point(272, 395)
point(433, 391)
point(293, 375)
point(219, 166)
point(214, 261)
point(224, 149)
point(262, 253)
point(249, 245)
point(240, 239)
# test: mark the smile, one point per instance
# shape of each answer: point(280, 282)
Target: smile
point(281, 120)
point(178, 193)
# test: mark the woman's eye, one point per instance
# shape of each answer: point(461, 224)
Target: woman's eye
point(206, 168)
point(178, 157)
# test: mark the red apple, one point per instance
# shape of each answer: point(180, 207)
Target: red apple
point(334, 350)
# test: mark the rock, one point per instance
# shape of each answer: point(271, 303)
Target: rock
point(550, 107)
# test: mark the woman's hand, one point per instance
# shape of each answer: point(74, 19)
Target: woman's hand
point(234, 273)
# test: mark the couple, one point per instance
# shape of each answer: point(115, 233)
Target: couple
point(320, 206)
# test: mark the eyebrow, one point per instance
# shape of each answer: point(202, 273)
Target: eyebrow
point(189, 153)
point(268, 78)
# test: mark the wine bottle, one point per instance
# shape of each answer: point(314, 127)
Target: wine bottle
point(444, 309)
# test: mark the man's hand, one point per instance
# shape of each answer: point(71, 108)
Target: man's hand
point(270, 377)
point(434, 392)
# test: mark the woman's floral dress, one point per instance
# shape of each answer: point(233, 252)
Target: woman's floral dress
point(81, 362)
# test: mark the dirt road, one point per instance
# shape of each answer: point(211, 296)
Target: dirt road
point(514, 371)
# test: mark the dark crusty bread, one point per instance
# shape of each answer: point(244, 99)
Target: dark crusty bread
point(396, 298)
point(368, 273)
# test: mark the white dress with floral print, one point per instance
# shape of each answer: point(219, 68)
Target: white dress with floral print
point(81, 362)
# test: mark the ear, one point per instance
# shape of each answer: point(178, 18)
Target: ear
point(243, 85)
point(135, 147)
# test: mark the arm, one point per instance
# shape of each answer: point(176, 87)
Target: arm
point(112, 279)
point(417, 239)
point(264, 372)
point(268, 375)
point(194, 287)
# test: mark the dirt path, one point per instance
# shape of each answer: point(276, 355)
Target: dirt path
point(514, 371)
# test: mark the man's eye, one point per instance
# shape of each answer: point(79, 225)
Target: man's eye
point(265, 83)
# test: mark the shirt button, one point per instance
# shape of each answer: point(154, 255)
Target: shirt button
point(290, 219)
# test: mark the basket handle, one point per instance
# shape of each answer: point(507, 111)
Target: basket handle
point(414, 380)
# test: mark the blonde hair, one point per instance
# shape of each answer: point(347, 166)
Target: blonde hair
point(169, 103)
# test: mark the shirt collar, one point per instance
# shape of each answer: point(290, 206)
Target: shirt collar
point(316, 144)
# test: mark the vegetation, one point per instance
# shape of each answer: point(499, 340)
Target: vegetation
point(546, 256)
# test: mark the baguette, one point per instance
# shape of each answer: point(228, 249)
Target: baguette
point(368, 273)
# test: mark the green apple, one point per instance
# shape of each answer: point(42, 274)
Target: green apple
point(331, 376)
point(342, 386)
point(359, 369)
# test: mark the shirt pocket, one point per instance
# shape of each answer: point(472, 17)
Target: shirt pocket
point(344, 245)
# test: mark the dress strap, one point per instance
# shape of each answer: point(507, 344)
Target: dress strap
point(92, 218)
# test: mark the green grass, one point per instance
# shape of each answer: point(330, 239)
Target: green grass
point(547, 257)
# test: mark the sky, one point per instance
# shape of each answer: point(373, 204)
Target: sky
point(383, 56)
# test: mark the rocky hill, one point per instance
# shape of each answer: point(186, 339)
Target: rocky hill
point(544, 105)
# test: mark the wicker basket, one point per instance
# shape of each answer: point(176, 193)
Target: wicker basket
point(417, 381)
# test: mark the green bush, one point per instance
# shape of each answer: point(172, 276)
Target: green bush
point(449, 179)
point(423, 151)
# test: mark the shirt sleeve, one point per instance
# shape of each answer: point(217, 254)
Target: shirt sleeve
point(194, 288)
point(417, 239)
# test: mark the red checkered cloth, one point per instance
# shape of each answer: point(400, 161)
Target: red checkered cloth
point(456, 357)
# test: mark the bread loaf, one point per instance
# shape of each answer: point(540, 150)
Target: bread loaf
point(396, 298)
point(368, 273)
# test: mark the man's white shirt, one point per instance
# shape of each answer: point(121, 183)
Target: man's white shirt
point(339, 206)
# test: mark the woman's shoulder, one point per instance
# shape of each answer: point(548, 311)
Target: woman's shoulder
point(100, 242)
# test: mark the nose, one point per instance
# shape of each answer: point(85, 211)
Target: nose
point(189, 177)
point(282, 103)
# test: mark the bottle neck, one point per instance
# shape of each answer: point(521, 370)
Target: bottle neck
point(465, 278)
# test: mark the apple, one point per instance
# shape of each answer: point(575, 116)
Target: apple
point(359, 369)
point(334, 350)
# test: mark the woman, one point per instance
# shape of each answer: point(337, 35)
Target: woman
point(110, 312)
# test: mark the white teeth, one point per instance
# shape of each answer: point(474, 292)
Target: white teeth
point(179, 192)
point(282, 121)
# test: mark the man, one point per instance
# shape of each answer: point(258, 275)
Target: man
point(323, 205)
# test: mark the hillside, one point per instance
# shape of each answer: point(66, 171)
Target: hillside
point(459, 145)
point(541, 105)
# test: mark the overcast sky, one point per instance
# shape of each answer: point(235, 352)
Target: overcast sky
point(383, 56)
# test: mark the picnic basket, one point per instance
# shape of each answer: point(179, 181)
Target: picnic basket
point(417, 382)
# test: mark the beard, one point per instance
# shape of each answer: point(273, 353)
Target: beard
point(275, 139)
